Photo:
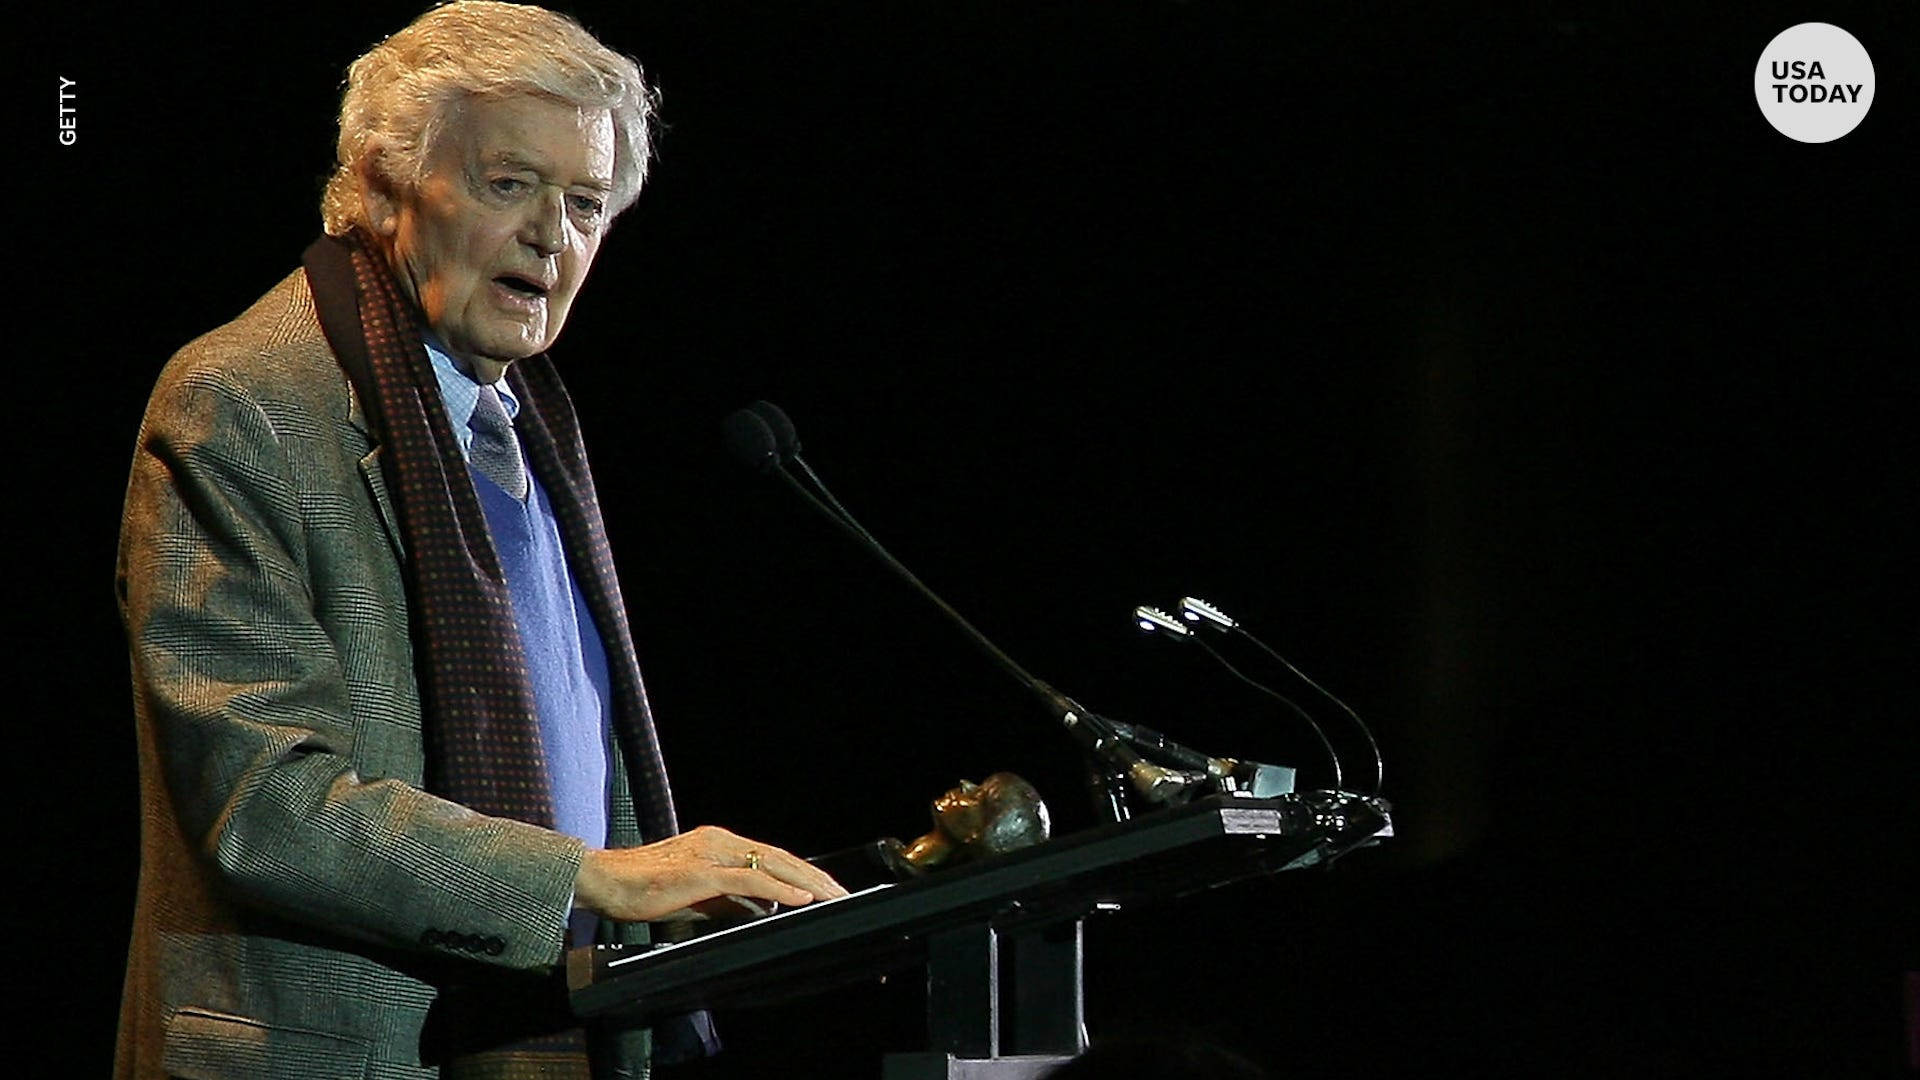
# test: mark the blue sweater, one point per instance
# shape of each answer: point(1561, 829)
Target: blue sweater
point(566, 662)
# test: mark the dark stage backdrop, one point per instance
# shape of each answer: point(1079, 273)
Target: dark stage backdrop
point(1507, 370)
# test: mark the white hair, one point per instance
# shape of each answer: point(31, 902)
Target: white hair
point(402, 92)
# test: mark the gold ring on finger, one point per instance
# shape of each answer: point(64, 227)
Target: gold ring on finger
point(753, 860)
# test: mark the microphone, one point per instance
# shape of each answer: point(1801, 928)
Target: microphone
point(761, 437)
point(1201, 613)
point(751, 440)
point(786, 441)
point(1153, 620)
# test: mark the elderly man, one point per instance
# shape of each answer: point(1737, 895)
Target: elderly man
point(394, 748)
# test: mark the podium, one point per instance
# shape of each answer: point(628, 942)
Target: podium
point(1000, 940)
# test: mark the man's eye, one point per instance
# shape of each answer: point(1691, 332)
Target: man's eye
point(507, 185)
point(587, 205)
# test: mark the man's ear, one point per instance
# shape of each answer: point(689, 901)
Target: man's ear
point(379, 197)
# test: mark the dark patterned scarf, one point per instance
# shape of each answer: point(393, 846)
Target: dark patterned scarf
point(481, 729)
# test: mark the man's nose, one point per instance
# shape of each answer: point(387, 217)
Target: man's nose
point(545, 227)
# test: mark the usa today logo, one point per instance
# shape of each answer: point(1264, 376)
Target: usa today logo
point(1814, 82)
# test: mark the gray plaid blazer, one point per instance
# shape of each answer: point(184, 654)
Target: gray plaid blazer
point(303, 903)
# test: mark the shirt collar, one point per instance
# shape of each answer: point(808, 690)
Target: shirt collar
point(460, 392)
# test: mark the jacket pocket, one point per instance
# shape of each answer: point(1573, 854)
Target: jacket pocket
point(206, 1045)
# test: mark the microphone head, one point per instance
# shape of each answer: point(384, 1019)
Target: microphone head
point(785, 439)
point(751, 441)
point(1151, 619)
point(1205, 614)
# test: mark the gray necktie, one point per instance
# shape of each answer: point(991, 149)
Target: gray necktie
point(496, 451)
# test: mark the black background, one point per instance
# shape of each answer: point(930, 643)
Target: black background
point(1507, 371)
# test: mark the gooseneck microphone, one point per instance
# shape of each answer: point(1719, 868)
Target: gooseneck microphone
point(1200, 613)
point(763, 438)
point(757, 442)
point(1154, 620)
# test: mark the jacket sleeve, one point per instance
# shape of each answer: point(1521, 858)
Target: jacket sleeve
point(246, 711)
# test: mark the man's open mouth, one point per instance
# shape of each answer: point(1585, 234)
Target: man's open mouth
point(523, 286)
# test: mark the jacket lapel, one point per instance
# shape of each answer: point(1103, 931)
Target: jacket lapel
point(376, 479)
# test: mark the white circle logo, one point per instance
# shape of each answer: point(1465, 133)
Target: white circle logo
point(1814, 82)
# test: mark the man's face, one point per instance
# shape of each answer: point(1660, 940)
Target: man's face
point(498, 237)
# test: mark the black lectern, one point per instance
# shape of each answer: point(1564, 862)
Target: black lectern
point(1020, 912)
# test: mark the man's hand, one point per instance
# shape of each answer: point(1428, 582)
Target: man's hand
point(646, 883)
